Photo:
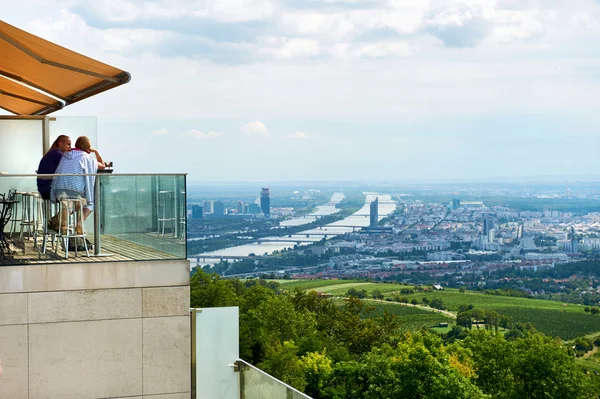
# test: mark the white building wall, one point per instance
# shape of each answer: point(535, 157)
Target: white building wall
point(95, 330)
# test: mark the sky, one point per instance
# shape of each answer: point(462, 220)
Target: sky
point(278, 90)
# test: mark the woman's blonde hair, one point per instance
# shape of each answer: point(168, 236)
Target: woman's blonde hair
point(84, 143)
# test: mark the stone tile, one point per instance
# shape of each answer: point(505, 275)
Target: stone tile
point(13, 309)
point(86, 359)
point(14, 383)
point(166, 301)
point(50, 307)
point(29, 278)
point(91, 276)
point(182, 395)
point(166, 355)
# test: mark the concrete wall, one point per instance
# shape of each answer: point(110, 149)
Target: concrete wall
point(95, 330)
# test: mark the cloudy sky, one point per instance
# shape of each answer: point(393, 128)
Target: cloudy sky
point(271, 90)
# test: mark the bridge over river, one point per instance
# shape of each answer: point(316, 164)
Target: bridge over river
point(268, 245)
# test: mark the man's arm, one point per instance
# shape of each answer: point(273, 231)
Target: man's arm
point(101, 164)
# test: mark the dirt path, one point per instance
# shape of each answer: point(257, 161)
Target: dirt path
point(590, 353)
point(447, 313)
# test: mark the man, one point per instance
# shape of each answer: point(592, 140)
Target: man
point(78, 161)
point(50, 162)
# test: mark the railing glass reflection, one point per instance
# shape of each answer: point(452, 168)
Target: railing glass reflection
point(136, 217)
point(256, 384)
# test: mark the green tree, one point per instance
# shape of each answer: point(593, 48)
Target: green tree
point(317, 369)
point(494, 359)
point(282, 362)
point(465, 319)
point(417, 367)
point(478, 315)
point(209, 290)
point(582, 346)
point(377, 294)
point(506, 322)
point(544, 369)
point(492, 320)
point(356, 293)
point(437, 303)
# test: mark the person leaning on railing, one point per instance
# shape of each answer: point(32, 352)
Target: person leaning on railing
point(50, 162)
point(78, 161)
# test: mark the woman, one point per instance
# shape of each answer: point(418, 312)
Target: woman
point(78, 161)
point(50, 162)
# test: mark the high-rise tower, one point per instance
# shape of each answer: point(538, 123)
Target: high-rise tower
point(374, 214)
point(488, 224)
point(265, 201)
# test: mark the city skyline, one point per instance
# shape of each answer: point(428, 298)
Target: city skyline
point(339, 90)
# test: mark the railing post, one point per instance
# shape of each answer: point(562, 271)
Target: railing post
point(97, 215)
point(240, 370)
point(193, 316)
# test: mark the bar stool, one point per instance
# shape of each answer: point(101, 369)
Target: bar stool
point(73, 208)
point(165, 200)
point(29, 215)
point(17, 196)
point(48, 210)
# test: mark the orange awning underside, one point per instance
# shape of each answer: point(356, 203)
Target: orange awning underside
point(64, 75)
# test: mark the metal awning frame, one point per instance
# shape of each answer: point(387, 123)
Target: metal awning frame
point(107, 82)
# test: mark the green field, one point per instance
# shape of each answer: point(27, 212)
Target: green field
point(342, 287)
point(550, 317)
point(311, 284)
point(410, 318)
point(566, 321)
point(566, 325)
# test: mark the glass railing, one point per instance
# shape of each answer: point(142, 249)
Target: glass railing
point(256, 384)
point(135, 217)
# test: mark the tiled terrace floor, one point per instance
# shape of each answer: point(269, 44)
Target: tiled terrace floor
point(119, 250)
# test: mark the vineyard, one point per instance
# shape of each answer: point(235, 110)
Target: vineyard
point(410, 318)
point(556, 319)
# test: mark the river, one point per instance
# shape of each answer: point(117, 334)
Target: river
point(322, 210)
point(358, 219)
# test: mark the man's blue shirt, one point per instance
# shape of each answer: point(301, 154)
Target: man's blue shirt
point(48, 166)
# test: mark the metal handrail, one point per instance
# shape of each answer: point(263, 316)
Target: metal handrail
point(97, 194)
point(92, 174)
point(240, 363)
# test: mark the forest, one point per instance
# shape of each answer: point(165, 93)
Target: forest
point(329, 349)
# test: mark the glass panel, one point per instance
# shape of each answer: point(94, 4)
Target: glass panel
point(256, 384)
point(75, 126)
point(140, 217)
point(216, 341)
point(20, 145)
point(147, 210)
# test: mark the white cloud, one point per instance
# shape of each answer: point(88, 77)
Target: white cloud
point(199, 135)
point(384, 49)
point(285, 48)
point(73, 29)
point(298, 135)
point(514, 26)
point(224, 10)
point(160, 132)
point(256, 128)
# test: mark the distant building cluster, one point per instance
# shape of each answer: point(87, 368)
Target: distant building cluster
point(218, 209)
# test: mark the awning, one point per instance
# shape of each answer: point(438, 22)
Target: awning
point(63, 75)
